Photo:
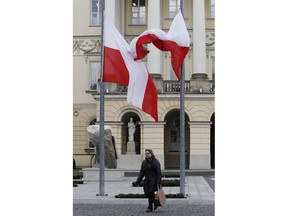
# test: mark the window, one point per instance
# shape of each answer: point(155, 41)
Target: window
point(95, 69)
point(212, 8)
point(92, 122)
point(96, 14)
point(174, 6)
point(138, 12)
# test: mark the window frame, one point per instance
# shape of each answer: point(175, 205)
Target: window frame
point(94, 74)
point(177, 6)
point(138, 12)
point(212, 9)
point(96, 21)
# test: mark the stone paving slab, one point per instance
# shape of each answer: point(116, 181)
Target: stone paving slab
point(197, 190)
point(199, 202)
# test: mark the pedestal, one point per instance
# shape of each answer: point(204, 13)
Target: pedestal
point(131, 147)
point(129, 162)
point(92, 174)
point(199, 83)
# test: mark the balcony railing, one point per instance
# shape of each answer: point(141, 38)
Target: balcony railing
point(174, 86)
point(169, 86)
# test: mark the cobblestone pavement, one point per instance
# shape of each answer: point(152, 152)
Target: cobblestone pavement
point(139, 210)
point(199, 201)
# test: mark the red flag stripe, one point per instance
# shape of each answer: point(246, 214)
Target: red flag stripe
point(114, 67)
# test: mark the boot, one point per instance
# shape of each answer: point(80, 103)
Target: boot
point(149, 209)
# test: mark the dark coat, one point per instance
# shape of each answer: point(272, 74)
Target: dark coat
point(151, 170)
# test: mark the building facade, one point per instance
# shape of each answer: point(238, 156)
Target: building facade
point(131, 18)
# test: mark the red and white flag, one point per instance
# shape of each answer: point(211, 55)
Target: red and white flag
point(120, 67)
point(177, 41)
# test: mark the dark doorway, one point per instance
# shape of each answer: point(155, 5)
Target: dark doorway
point(172, 140)
point(212, 142)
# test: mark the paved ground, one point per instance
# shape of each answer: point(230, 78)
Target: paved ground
point(199, 201)
point(139, 210)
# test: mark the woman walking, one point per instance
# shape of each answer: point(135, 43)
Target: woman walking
point(151, 170)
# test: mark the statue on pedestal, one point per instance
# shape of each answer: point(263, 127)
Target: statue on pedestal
point(131, 129)
point(131, 142)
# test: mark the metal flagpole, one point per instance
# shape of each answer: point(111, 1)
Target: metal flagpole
point(101, 132)
point(182, 122)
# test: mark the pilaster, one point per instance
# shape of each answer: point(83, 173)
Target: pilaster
point(154, 21)
point(199, 81)
point(152, 137)
point(199, 145)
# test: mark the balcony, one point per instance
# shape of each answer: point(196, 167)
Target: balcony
point(169, 86)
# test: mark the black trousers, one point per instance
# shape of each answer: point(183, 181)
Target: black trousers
point(151, 199)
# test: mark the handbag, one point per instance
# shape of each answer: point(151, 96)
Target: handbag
point(161, 196)
point(156, 200)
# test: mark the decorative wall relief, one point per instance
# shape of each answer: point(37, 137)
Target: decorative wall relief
point(86, 46)
point(210, 38)
point(83, 46)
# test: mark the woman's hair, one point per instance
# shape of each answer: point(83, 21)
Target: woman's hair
point(150, 150)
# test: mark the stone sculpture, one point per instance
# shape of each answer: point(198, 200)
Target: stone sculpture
point(110, 155)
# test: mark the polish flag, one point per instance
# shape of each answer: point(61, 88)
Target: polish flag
point(120, 67)
point(176, 41)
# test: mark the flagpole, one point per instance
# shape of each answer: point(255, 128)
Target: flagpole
point(101, 132)
point(182, 122)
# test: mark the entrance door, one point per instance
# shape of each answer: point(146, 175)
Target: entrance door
point(172, 141)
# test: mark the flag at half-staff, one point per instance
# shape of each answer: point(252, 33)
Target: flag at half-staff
point(177, 41)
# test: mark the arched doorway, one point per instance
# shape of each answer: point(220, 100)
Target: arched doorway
point(172, 140)
point(212, 142)
point(125, 119)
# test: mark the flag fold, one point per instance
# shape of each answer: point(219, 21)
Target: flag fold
point(177, 41)
point(120, 67)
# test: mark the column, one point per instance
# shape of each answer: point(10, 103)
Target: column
point(199, 145)
point(154, 57)
point(199, 81)
point(152, 137)
point(113, 9)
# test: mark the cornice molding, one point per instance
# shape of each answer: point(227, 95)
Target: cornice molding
point(92, 44)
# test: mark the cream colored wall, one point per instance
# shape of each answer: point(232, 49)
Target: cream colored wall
point(81, 76)
point(116, 107)
point(209, 63)
point(200, 110)
point(196, 109)
point(200, 138)
point(82, 19)
point(82, 116)
point(152, 134)
point(210, 22)
point(199, 145)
